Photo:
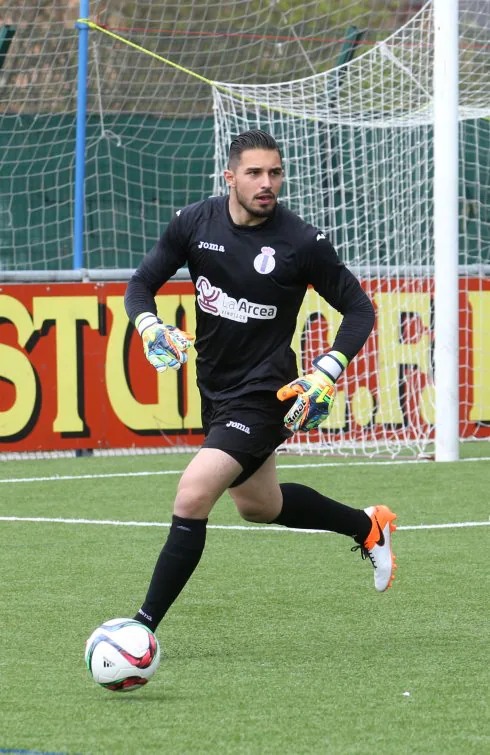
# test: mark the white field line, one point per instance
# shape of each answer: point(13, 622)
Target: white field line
point(59, 478)
point(242, 528)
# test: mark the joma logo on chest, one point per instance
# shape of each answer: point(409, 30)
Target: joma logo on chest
point(211, 247)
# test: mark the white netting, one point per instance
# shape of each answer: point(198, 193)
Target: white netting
point(37, 135)
point(150, 133)
point(357, 144)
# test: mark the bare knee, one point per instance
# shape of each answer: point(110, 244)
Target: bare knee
point(192, 502)
point(207, 476)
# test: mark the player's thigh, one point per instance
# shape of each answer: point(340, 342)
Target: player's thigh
point(204, 480)
point(259, 499)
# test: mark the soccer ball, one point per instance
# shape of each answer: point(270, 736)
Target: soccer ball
point(122, 654)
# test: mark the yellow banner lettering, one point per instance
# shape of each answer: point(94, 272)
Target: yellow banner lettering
point(480, 307)
point(17, 369)
point(67, 311)
point(393, 352)
point(164, 415)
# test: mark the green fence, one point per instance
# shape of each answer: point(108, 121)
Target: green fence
point(140, 169)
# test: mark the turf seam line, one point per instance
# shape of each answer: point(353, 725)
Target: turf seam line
point(236, 527)
point(108, 475)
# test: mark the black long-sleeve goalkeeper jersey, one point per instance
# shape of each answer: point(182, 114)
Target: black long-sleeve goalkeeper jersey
point(250, 282)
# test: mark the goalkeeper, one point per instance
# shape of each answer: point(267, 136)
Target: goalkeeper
point(251, 260)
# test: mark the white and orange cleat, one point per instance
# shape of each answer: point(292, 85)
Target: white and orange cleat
point(377, 546)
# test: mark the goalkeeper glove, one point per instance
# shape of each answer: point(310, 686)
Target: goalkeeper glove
point(164, 345)
point(315, 393)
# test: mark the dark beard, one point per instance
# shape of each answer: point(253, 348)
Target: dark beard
point(257, 213)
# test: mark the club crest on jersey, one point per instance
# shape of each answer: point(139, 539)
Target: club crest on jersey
point(215, 301)
point(264, 262)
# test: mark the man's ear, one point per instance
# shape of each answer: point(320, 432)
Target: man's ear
point(229, 178)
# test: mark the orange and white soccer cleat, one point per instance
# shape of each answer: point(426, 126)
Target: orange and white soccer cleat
point(377, 546)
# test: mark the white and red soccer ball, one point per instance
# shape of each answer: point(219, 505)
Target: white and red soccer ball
point(122, 655)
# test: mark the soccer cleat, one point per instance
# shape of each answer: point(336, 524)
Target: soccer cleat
point(377, 546)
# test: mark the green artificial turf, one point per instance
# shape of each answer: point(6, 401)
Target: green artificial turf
point(278, 644)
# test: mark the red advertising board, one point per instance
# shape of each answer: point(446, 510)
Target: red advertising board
point(73, 374)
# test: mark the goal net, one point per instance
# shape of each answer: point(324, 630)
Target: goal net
point(150, 130)
point(358, 151)
point(357, 142)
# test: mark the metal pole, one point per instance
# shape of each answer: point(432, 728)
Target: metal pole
point(446, 353)
point(79, 210)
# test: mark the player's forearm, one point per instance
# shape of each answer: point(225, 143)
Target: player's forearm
point(138, 298)
point(355, 328)
point(155, 269)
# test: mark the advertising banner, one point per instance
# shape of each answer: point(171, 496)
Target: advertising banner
point(73, 374)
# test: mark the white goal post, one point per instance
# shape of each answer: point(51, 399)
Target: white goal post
point(446, 294)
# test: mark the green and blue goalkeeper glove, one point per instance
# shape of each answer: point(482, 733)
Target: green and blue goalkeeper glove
point(315, 393)
point(165, 346)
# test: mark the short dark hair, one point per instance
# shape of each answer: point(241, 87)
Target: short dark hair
point(254, 139)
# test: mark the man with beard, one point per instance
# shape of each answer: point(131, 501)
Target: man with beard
point(251, 260)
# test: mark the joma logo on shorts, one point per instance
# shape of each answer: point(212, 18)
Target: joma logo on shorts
point(211, 247)
point(238, 426)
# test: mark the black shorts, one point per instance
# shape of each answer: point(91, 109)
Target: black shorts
point(248, 428)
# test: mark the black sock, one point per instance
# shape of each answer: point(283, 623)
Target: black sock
point(305, 508)
point(179, 557)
